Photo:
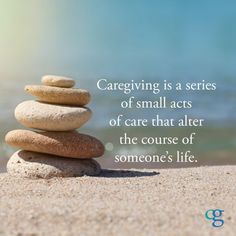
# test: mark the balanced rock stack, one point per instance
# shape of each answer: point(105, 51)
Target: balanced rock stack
point(58, 150)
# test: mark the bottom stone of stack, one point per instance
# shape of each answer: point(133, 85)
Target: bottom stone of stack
point(28, 164)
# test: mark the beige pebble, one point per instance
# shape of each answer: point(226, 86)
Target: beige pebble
point(37, 165)
point(55, 95)
point(38, 115)
point(58, 81)
point(66, 144)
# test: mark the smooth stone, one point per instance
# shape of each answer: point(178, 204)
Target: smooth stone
point(58, 81)
point(38, 115)
point(37, 165)
point(55, 95)
point(66, 144)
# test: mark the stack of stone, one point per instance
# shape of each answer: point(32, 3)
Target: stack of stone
point(58, 150)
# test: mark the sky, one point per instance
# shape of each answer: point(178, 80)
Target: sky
point(117, 38)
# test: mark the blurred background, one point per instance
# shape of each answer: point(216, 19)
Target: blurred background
point(124, 40)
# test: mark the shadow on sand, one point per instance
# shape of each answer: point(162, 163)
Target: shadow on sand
point(126, 173)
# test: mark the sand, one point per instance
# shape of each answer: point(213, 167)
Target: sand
point(152, 202)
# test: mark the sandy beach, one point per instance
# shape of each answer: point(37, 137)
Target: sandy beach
point(133, 202)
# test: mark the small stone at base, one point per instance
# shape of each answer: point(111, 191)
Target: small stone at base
point(33, 165)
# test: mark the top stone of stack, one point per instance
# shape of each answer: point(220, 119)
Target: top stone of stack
point(58, 81)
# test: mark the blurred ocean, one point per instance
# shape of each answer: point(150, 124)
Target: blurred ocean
point(124, 40)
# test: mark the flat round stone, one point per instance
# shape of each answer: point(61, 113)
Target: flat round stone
point(37, 165)
point(66, 144)
point(55, 95)
point(38, 115)
point(58, 81)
